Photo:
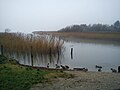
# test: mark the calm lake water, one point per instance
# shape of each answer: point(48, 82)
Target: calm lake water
point(85, 54)
point(90, 54)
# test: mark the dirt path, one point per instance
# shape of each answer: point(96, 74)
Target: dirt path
point(83, 81)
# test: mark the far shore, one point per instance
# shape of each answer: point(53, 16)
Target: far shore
point(101, 36)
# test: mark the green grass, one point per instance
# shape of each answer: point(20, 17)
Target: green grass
point(15, 77)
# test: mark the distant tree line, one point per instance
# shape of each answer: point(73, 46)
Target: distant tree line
point(93, 28)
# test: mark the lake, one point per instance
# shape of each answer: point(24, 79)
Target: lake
point(90, 54)
point(85, 54)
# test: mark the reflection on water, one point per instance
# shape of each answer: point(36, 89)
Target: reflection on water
point(39, 60)
point(85, 54)
point(31, 49)
point(90, 54)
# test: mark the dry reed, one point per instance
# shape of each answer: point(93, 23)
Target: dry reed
point(21, 43)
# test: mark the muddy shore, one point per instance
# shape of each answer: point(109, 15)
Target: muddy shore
point(83, 81)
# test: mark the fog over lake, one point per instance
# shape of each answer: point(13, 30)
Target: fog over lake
point(44, 15)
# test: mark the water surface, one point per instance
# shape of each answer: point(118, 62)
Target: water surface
point(85, 54)
point(90, 54)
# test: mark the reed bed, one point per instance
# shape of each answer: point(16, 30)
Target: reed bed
point(21, 43)
point(89, 35)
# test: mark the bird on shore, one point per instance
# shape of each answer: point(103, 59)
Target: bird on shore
point(113, 70)
point(85, 69)
point(80, 69)
point(99, 70)
point(57, 66)
point(63, 67)
point(96, 66)
point(48, 65)
point(67, 67)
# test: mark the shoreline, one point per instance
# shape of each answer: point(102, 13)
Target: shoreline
point(102, 36)
point(60, 69)
point(82, 81)
point(85, 40)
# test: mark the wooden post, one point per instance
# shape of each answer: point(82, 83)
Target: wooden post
point(31, 57)
point(31, 51)
point(1, 49)
point(71, 53)
point(50, 54)
point(58, 54)
point(118, 69)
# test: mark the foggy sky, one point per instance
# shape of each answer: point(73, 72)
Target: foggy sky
point(32, 15)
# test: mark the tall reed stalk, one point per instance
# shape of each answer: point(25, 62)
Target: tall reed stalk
point(21, 43)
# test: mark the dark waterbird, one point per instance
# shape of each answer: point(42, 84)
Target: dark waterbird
point(96, 66)
point(99, 69)
point(113, 70)
point(57, 66)
point(48, 65)
point(67, 67)
point(63, 67)
point(80, 69)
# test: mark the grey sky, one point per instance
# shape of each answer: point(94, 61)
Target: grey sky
point(30, 15)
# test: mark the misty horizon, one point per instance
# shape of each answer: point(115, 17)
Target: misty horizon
point(52, 15)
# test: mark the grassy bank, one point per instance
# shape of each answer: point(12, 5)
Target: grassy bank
point(16, 77)
point(13, 76)
point(89, 35)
